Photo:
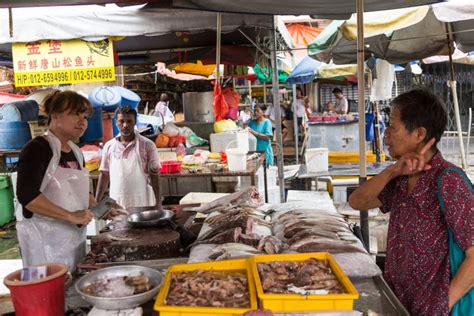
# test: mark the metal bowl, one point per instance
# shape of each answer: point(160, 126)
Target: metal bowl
point(150, 218)
point(109, 303)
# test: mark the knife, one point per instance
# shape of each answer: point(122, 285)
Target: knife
point(103, 207)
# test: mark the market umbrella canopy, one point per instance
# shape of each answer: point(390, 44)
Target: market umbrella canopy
point(322, 9)
point(398, 36)
point(304, 72)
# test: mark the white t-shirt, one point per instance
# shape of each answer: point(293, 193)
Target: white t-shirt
point(270, 113)
point(341, 105)
point(162, 110)
point(300, 109)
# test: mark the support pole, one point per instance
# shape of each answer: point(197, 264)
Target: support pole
point(364, 215)
point(295, 124)
point(276, 104)
point(452, 85)
point(218, 46)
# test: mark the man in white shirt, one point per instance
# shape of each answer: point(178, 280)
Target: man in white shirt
point(341, 106)
point(130, 163)
point(270, 114)
point(163, 111)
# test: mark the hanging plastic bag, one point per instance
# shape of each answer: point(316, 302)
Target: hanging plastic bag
point(369, 126)
point(220, 105)
point(232, 99)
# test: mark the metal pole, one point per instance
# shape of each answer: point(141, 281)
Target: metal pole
point(452, 85)
point(218, 46)
point(295, 124)
point(276, 104)
point(364, 215)
point(293, 106)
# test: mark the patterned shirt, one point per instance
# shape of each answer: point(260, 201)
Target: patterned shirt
point(417, 264)
point(115, 149)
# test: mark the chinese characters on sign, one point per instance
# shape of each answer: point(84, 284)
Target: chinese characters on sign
point(61, 62)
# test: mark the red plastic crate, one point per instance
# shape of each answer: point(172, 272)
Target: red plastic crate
point(170, 167)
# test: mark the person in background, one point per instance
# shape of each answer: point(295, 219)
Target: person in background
point(261, 128)
point(270, 114)
point(300, 111)
point(307, 107)
point(130, 164)
point(162, 109)
point(341, 105)
point(431, 205)
point(244, 116)
point(53, 186)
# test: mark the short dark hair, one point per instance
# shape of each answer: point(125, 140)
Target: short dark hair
point(336, 90)
point(62, 101)
point(422, 108)
point(126, 110)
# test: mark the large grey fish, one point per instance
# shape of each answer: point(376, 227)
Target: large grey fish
point(246, 197)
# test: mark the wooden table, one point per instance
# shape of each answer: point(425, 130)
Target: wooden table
point(207, 170)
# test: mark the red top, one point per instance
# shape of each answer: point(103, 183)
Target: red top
point(417, 264)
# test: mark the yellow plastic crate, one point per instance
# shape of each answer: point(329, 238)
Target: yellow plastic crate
point(352, 157)
point(225, 265)
point(299, 303)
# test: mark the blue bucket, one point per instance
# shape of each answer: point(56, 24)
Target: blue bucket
point(106, 97)
point(19, 111)
point(94, 127)
point(14, 135)
point(115, 129)
point(129, 97)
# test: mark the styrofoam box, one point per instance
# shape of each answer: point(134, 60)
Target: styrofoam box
point(273, 194)
point(272, 177)
point(339, 194)
point(316, 159)
point(220, 141)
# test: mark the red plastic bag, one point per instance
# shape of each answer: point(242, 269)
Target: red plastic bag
point(220, 105)
point(226, 103)
point(232, 99)
point(176, 140)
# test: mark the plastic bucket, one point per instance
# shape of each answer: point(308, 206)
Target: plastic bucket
point(317, 159)
point(19, 111)
point(94, 127)
point(44, 297)
point(6, 200)
point(14, 135)
point(129, 97)
point(236, 158)
point(107, 98)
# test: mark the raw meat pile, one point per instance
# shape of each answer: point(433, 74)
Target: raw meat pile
point(311, 276)
point(118, 287)
point(209, 289)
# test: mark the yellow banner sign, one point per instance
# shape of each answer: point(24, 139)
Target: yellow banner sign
point(62, 62)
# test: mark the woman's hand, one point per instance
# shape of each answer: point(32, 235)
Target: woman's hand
point(413, 162)
point(82, 217)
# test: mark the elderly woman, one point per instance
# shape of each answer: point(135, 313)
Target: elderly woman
point(430, 252)
point(53, 186)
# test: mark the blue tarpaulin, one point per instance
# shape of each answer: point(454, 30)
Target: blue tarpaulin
point(305, 71)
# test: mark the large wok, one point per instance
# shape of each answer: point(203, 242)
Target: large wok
point(154, 276)
point(150, 216)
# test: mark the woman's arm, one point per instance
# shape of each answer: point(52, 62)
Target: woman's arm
point(256, 134)
point(42, 206)
point(463, 281)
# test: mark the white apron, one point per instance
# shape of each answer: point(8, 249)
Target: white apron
point(44, 239)
point(128, 182)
